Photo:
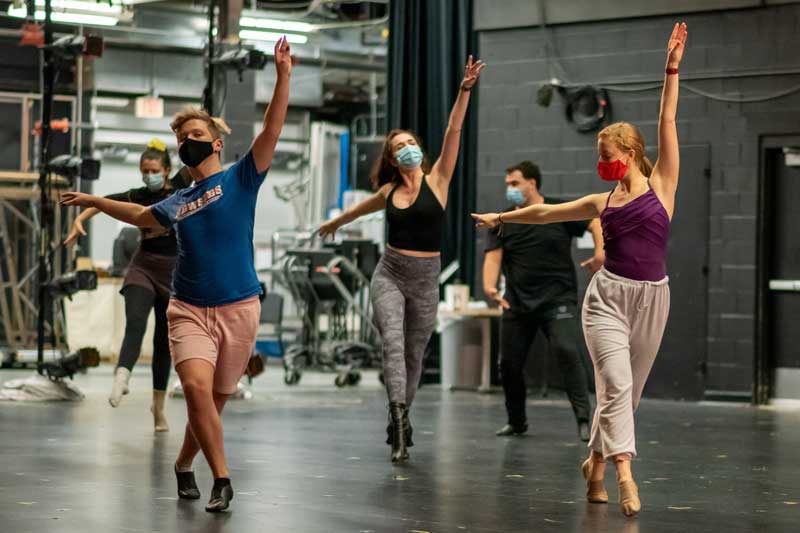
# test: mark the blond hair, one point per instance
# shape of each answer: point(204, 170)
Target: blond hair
point(628, 138)
point(216, 126)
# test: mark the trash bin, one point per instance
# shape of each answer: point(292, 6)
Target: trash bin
point(461, 354)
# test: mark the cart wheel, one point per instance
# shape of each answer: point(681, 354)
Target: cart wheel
point(353, 378)
point(291, 377)
point(340, 381)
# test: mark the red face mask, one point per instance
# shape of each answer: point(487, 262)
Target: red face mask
point(613, 171)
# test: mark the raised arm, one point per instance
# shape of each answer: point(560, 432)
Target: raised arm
point(584, 208)
point(442, 171)
point(374, 203)
point(135, 214)
point(264, 144)
point(666, 169)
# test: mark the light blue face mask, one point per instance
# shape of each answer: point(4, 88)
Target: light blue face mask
point(154, 182)
point(409, 156)
point(515, 196)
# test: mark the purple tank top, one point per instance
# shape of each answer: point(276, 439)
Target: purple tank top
point(635, 236)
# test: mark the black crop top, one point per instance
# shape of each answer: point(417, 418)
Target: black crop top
point(419, 226)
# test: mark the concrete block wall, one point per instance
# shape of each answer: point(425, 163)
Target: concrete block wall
point(739, 53)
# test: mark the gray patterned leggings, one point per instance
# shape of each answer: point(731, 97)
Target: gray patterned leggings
point(405, 298)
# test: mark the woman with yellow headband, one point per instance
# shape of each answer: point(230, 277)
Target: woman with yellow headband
point(147, 282)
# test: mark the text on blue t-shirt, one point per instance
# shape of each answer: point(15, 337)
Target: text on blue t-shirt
point(214, 225)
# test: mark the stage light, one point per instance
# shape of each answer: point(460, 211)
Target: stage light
point(68, 284)
point(242, 60)
point(71, 167)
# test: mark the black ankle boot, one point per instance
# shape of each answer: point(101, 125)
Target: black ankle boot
point(408, 428)
point(398, 435)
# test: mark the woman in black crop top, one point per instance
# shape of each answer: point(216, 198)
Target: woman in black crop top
point(405, 286)
point(147, 281)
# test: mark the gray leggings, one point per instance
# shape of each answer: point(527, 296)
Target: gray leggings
point(405, 298)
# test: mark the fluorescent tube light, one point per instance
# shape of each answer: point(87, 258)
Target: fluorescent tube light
point(271, 36)
point(273, 24)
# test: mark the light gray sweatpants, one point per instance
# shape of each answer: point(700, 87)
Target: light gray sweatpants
point(405, 299)
point(623, 323)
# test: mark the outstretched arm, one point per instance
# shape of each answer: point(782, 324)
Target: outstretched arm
point(581, 209)
point(376, 202)
point(135, 214)
point(264, 144)
point(665, 172)
point(442, 171)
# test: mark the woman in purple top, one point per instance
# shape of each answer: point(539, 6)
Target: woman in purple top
point(626, 305)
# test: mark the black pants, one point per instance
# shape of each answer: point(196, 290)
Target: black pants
point(138, 303)
point(561, 326)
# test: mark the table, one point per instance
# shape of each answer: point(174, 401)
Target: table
point(454, 344)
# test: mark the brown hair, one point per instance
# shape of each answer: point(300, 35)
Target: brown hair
point(157, 150)
point(216, 126)
point(384, 171)
point(628, 138)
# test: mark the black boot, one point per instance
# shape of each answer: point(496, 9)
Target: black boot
point(409, 429)
point(398, 436)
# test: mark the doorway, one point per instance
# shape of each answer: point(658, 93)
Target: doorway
point(778, 337)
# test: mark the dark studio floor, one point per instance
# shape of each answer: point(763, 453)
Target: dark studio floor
point(312, 458)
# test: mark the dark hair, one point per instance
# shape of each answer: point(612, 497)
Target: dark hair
point(384, 171)
point(529, 171)
point(158, 151)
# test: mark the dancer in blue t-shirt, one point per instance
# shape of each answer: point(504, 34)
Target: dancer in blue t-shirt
point(214, 310)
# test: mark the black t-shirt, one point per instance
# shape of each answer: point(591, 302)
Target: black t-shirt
point(154, 240)
point(537, 262)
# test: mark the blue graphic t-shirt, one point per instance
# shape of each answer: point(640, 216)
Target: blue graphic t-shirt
point(214, 225)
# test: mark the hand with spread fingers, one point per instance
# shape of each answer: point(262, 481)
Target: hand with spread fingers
point(77, 198)
point(328, 229)
point(472, 72)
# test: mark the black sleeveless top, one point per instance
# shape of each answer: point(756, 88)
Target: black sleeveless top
point(419, 226)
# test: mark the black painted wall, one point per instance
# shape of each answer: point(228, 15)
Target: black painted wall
point(740, 53)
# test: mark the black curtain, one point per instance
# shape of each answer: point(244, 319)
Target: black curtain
point(429, 41)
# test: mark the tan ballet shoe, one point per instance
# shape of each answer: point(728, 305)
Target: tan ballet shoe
point(629, 498)
point(595, 490)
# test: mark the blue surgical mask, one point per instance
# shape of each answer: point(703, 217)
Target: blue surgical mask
point(409, 156)
point(515, 196)
point(154, 182)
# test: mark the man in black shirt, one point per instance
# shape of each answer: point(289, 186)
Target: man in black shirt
point(541, 294)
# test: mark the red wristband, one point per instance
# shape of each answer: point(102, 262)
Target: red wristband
point(671, 71)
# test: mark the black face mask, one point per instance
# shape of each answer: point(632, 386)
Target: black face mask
point(193, 152)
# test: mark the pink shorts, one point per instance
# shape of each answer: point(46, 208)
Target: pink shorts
point(225, 336)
